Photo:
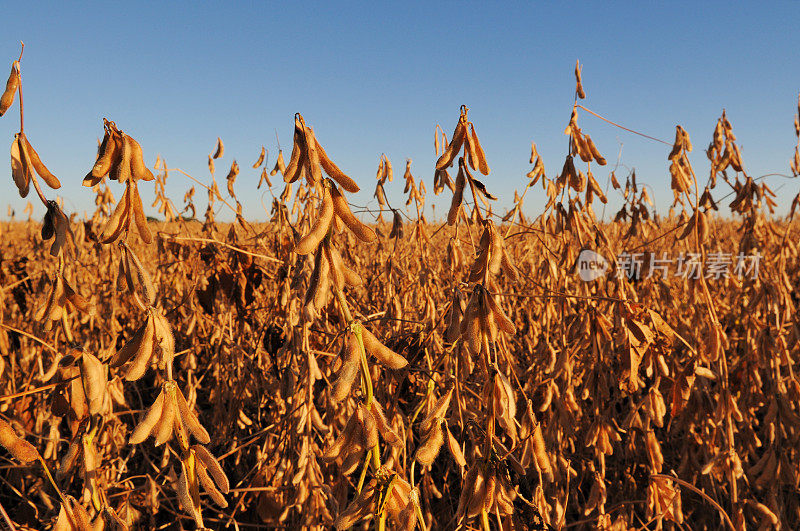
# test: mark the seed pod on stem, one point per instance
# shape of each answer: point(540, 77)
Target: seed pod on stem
point(280, 165)
point(342, 210)
point(220, 149)
point(94, 376)
point(502, 320)
point(12, 84)
point(261, 157)
point(483, 167)
point(140, 359)
point(384, 354)
point(454, 317)
point(37, 164)
point(458, 195)
point(190, 422)
point(138, 168)
point(452, 150)
point(430, 446)
point(292, 171)
point(345, 437)
point(140, 345)
point(118, 220)
point(310, 241)
point(21, 449)
point(335, 173)
point(148, 424)
point(348, 372)
point(107, 155)
point(20, 171)
point(386, 431)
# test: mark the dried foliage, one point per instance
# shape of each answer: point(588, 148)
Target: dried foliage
point(319, 371)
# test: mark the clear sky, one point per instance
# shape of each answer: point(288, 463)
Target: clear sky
point(373, 78)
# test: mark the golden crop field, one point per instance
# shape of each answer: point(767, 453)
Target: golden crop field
point(476, 372)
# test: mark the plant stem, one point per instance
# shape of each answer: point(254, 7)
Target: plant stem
point(363, 476)
point(484, 520)
point(366, 380)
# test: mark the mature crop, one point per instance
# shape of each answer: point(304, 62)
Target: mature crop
point(317, 371)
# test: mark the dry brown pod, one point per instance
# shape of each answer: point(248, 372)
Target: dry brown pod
point(317, 291)
point(21, 449)
point(483, 166)
point(335, 173)
point(280, 165)
point(453, 330)
point(347, 435)
point(292, 171)
point(310, 241)
point(342, 210)
point(430, 446)
point(143, 281)
point(348, 372)
point(20, 171)
point(138, 168)
point(578, 84)
point(384, 354)
point(51, 180)
point(139, 216)
point(342, 274)
point(231, 177)
point(387, 169)
point(312, 159)
point(397, 225)
point(261, 157)
point(361, 506)
point(264, 178)
point(139, 345)
point(702, 226)
point(455, 449)
point(458, 195)
point(385, 429)
point(594, 186)
point(139, 353)
point(595, 153)
point(12, 84)
point(56, 224)
point(452, 150)
point(73, 517)
point(121, 166)
point(190, 422)
point(54, 305)
point(505, 324)
point(79, 302)
point(109, 150)
point(169, 414)
point(471, 152)
point(220, 149)
point(206, 464)
point(94, 376)
point(149, 421)
point(188, 491)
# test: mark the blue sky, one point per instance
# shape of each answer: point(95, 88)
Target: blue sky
point(378, 78)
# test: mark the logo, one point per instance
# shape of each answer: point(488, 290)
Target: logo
point(591, 265)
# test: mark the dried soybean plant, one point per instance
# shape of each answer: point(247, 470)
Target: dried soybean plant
point(61, 301)
point(153, 343)
point(464, 136)
point(381, 490)
point(509, 392)
point(474, 327)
